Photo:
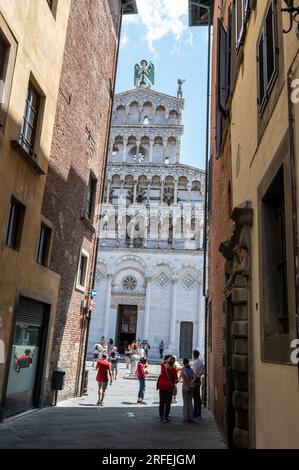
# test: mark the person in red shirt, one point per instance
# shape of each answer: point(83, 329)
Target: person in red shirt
point(167, 381)
point(104, 370)
point(141, 373)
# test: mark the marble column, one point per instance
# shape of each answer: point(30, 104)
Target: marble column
point(189, 192)
point(135, 192)
point(148, 281)
point(148, 193)
point(107, 305)
point(171, 346)
point(175, 196)
point(125, 150)
point(162, 192)
point(151, 151)
point(108, 192)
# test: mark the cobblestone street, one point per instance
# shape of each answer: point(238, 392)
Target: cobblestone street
point(120, 424)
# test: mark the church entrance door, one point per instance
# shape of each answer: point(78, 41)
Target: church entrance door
point(126, 326)
point(186, 337)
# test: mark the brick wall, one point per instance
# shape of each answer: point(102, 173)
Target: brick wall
point(220, 227)
point(78, 146)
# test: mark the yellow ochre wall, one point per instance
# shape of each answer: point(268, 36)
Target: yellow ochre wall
point(276, 386)
point(40, 38)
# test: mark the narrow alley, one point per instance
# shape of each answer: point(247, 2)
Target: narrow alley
point(120, 424)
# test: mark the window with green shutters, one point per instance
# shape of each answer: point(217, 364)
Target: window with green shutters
point(267, 56)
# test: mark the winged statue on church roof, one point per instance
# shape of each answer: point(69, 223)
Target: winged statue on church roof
point(144, 74)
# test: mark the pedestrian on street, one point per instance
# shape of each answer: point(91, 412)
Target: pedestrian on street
point(104, 370)
point(110, 346)
point(161, 348)
point(167, 380)
point(128, 354)
point(114, 359)
point(96, 352)
point(141, 351)
point(188, 385)
point(147, 347)
point(178, 368)
point(141, 373)
point(103, 343)
point(198, 371)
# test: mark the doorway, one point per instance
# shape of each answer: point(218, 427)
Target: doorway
point(186, 339)
point(27, 357)
point(126, 326)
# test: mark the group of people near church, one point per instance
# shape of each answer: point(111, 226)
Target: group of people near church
point(171, 373)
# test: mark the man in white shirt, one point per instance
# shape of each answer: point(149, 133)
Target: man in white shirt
point(198, 371)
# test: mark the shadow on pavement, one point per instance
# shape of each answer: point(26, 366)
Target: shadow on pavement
point(109, 427)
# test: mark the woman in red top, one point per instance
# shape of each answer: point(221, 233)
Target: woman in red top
point(167, 380)
point(141, 372)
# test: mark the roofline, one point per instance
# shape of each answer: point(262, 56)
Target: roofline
point(157, 165)
point(197, 13)
point(133, 90)
point(129, 7)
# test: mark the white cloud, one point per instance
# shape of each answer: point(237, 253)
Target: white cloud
point(162, 18)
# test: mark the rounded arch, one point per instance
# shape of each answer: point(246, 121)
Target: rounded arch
point(156, 181)
point(160, 115)
point(120, 114)
point(115, 179)
point(121, 263)
point(182, 182)
point(173, 117)
point(196, 186)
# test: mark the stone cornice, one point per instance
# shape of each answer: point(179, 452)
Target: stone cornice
point(152, 169)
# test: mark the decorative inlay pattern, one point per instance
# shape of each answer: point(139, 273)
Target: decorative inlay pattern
point(162, 279)
point(189, 281)
point(100, 276)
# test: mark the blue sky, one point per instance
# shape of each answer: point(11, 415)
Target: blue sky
point(160, 34)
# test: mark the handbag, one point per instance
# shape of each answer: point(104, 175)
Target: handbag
point(158, 381)
point(172, 383)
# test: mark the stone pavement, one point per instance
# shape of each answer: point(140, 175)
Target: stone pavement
point(120, 424)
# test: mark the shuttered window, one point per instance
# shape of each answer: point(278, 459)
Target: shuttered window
point(90, 197)
point(267, 57)
point(222, 69)
point(223, 82)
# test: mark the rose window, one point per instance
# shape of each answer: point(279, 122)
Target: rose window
point(129, 283)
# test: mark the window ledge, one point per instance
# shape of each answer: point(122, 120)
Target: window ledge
point(27, 157)
point(80, 288)
point(87, 223)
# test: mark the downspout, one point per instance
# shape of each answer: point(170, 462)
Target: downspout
point(206, 203)
point(208, 9)
point(101, 198)
point(294, 194)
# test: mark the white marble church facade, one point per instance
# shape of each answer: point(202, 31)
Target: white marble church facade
point(150, 259)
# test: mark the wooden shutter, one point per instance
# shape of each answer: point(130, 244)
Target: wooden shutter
point(222, 69)
point(219, 131)
point(228, 55)
point(267, 56)
point(270, 33)
point(261, 70)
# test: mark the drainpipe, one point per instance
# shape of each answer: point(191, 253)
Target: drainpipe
point(294, 193)
point(208, 9)
point(101, 198)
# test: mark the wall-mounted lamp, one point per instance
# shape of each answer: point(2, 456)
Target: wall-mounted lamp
point(294, 15)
